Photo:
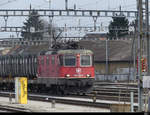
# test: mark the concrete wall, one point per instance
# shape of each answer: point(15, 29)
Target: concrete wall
point(113, 67)
point(118, 71)
point(114, 77)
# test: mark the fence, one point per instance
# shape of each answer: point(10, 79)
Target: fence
point(114, 77)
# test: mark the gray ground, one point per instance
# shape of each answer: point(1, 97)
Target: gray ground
point(37, 106)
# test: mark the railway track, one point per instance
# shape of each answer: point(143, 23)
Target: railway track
point(65, 100)
point(115, 84)
point(116, 91)
point(110, 95)
point(71, 100)
point(112, 91)
point(5, 108)
point(105, 91)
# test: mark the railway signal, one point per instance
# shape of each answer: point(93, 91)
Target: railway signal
point(143, 64)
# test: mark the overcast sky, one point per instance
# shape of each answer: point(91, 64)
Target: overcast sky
point(60, 4)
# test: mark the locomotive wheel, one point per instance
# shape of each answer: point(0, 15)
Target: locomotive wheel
point(57, 90)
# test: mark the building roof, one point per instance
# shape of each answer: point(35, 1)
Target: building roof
point(93, 35)
point(82, 51)
point(118, 50)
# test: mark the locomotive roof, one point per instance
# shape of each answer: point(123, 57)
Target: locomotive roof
point(81, 51)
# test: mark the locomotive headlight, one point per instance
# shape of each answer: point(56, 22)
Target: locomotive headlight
point(67, 75)
point(88, 75)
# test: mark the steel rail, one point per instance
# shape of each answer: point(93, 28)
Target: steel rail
point(69, 101)
point(12, 109)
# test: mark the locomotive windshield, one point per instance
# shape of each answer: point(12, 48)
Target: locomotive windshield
point(85, 60)
point(69, 60)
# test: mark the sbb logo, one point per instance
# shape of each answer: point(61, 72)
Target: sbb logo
point(78, 70)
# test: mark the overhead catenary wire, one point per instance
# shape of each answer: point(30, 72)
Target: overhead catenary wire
point(88, 3)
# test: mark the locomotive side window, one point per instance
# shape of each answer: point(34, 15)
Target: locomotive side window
point(53, 60)
point(47, 60)
point(42, 60)
point(85, 60)
point(23, 60)
point(26, 60)
point(69, 60)
point(35, 60)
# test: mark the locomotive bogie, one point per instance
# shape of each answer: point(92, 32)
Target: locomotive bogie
point(63, 85)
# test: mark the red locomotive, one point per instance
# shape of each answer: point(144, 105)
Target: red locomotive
point(67, 70)
point(60, 71)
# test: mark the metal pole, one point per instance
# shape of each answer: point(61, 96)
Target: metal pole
point(107, 58)
point(53, 104)
point(147, 36)
point(95, 19)
point(132, 102)
point(119, 95)
point(148, 101)
point(135, 46)
point(134, 52)
point(140, 21)
point(50, 22)
point(66, 4)
point(148, 50)
point(10, 98)
point(17, 89)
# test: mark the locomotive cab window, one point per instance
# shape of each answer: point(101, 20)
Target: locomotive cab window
point(69, 60)
point(85, 60)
